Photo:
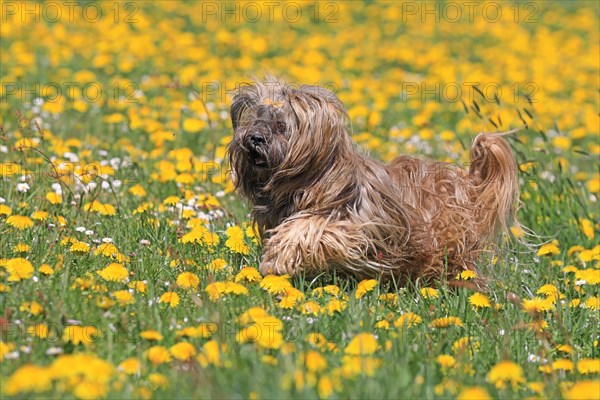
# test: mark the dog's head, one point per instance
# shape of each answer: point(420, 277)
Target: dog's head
point(283, 134)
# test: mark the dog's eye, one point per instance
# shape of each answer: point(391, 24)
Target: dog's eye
point(281, 127)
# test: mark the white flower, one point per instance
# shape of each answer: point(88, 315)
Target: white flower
point(107, 240)
point(105, 185)
point(52, 351)
point(57, 188)
point(89, 232)
point(22, 187)
point(117, 184)
point(80, 229)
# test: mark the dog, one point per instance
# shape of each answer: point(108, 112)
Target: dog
point(321, 205)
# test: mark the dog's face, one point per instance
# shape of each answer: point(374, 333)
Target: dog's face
point(283, 134)
point(262, 132)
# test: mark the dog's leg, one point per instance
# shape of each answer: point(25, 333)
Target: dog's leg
point(312, 244)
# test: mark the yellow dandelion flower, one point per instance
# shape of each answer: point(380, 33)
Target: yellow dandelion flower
point(563, 364)
point(587, 227)
point(275, 284)
point(391, 298)
point(53, 198)
point(137, 190)
point(211, 353)
point(548, 249)
point(183, 351)
point(248, 274)
point(549, 290)
point(158, 381)
point(591, 276)
point(79, 247)
point(362, 344)
point(171, 201)
point(151, 335)
point(310, 308)
point(428, 292)
point(335, 306)
point(593, 303)
point(446, 361)
point(204, 330)
point(46, 269)
point(105, 302)
point(325, 387)
point(123, 297)
point(466, 275)
point(565, 348)
point(188, 280)
point(5, 210)
point(138, 286)
point(290, 298)
point(408, 319)
point(107, 250)
point(130, 366)
point(446, 322)
point(355, 365)
point(5, 348)
point(365, 286)
point(537, 305)
point(536, 387)
point(587, 366)
point(77, 334)
point(170, 298)
point(158, 355)
point(33, 307)
point(314, 361)
point(39, 215)
point(517, 231)
point(193, 125)
point(473, 393)
point(217, 265)
point(28, 379)
point(383, 324)
point(18, 269)
point(114, 272)
point(584, 390)
point(20, 222)
point(479, 300)
point(264, 333)
point(506, 372)
point(210, 239)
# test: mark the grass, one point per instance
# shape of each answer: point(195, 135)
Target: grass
point(161, 195)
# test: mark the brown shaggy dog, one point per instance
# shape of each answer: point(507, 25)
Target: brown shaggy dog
point(322, 205)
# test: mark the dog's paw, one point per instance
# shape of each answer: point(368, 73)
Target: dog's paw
point(267, 268)
point(276, 267)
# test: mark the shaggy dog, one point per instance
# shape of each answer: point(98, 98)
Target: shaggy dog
point(321, 205)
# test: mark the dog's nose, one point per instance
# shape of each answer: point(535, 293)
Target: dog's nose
point(257, 139)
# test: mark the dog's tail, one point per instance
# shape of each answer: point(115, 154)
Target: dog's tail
point(494, 175)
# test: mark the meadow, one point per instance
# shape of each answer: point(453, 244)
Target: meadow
point(128, 265)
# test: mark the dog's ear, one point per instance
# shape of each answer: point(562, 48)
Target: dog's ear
point(243, 98)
